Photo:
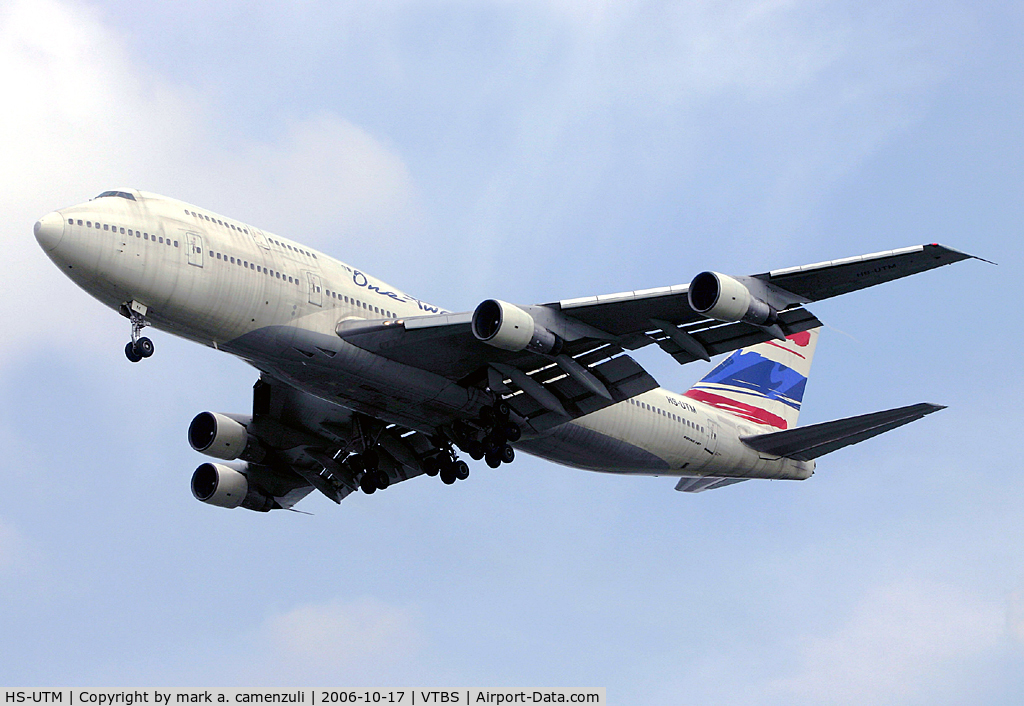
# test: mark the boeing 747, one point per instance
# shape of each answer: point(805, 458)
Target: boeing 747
point(362, 386)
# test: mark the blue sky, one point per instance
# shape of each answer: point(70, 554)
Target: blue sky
point(529, 151)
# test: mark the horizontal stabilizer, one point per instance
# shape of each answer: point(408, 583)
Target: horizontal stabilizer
point(807, 443)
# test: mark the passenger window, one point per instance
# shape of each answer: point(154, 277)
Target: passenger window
point(79, 222)
point(106, 226)
point(161, 240)
point(218, 256)
point(175, 243)
point(71, 221)
point(147, 236)
point(122, 231)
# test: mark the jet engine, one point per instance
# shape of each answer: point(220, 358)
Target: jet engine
point(724, 298)
point(508, 327)
point(223, 486)
point(222, 437)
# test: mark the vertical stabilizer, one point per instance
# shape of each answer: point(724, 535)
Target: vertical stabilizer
point(762, 384)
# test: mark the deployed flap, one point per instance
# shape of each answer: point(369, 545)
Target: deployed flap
point(588, 374)
point(698, 484)
point(810, 442)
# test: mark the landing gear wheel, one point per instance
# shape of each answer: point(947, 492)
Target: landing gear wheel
point(130, 354)
point(461, 470)
point(475, 450)
point(493, 460)
point(502, 410)
point(144, 347)
point(448, 475)
point(382, 480)
point(513, 432)
point(508, 454)
point(431, 466)
point(368, 484)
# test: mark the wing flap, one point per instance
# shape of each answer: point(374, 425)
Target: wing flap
point(698, 484)
point(810, 442)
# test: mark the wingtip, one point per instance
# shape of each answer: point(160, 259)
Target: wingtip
point(963, 255)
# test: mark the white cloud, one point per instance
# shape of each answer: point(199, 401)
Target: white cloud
point(363, 640)
point(901, 643)
point(81, 115)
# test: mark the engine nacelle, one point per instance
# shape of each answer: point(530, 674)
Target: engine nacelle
point(222, 437)
point(726, 299)
point(223, 486)
point(508, 327)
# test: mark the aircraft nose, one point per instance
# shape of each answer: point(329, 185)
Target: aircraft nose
point(49, 230)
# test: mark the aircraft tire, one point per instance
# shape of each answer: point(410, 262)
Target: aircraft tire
point(508, 454)
point(475, 450)
point(144, 347)
point(368, 484)
point(461, 470)
point(502, 410)
point(381, 479)
point(493, 460)
point(513, 432)
point(130, 354)
point(448, 475)
point(431, 466)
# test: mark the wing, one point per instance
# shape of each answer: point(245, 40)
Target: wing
point(589, 369)
point(665, 316)
point(305, 441)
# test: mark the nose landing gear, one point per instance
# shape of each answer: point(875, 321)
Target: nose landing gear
point(139, 347)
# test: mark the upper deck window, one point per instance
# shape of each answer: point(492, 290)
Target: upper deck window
point(119, 194)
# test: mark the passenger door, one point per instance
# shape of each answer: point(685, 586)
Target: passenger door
point(194, 242)
point(316, 294)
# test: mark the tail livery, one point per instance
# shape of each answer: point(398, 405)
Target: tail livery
point(763, 384)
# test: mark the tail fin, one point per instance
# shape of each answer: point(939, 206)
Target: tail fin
point(764, 383)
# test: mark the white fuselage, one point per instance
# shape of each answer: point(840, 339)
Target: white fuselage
point(277, 304)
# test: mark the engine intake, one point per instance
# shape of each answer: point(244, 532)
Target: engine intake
point(222, 437)
point(724, 298)
point(223, 486)
point(508, 327)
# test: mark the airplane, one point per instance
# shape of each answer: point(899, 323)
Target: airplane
point(362, 386)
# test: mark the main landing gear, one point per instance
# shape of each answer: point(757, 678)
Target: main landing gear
point(366, 467)
point(488, 436)
point(446, 464)
point(139, 347)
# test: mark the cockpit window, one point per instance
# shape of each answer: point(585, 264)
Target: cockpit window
point(119, 194)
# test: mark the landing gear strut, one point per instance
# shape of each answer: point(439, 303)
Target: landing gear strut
point(488, 436)
point(139, 347)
